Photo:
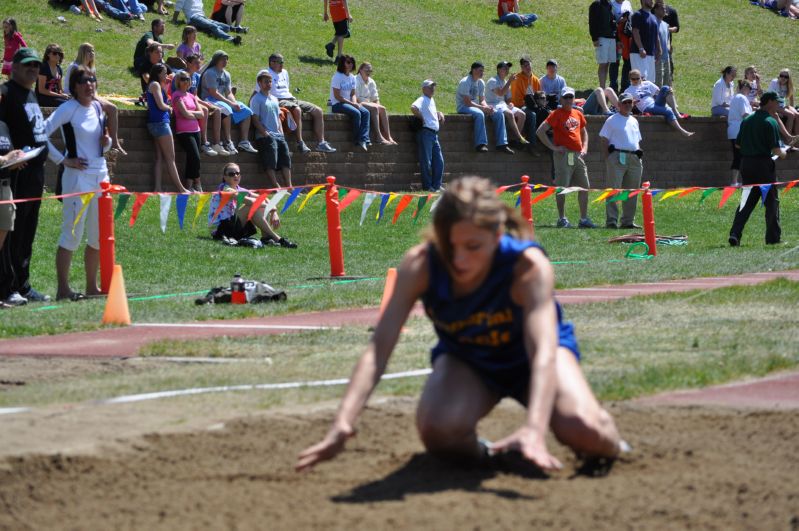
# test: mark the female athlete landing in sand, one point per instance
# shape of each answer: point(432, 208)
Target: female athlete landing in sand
point(490, 295)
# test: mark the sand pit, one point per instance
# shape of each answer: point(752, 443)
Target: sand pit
point(691, 467)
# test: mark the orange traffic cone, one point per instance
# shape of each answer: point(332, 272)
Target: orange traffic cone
point(388, 288)
point(116, 306)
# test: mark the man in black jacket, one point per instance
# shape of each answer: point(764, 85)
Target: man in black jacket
point(602, 28)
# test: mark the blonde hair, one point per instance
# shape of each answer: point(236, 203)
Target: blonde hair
point(82, 59)
point(473, 199)
point(789, 87)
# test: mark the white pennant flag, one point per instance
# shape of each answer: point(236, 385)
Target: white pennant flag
point(745, 191)
point(367, 202)
point(274, 201)
point(166, 202)
point(570, 189)
point(435, 203)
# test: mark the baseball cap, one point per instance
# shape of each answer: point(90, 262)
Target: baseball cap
point(552, 62)
point(525, 59)
point(567, 91)
point(503, 64)
point(26, 55)
point(626, 97)
point(764, 99)
point(428, 83)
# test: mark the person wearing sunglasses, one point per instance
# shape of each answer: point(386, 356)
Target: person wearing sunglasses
point(783, 86)
point(86, 139)
point(344, 100)
point(651, 99)
point(49, 88)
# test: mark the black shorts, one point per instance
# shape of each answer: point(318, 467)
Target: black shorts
point(342, 28)
point(273, 153)
point(232, 228)
point(219, 16)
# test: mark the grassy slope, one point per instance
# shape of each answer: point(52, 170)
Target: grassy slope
point(409, 40)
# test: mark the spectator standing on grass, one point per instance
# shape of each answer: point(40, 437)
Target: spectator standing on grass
point(498, 98)
point(470, 100)
point(339, 14)
point(602, 28)
point(281, 89)
point(344, 100)
point(740, 108)
point(193, 11)
point(651, 99)
point(508, 13)
point(8, 210)
point(569, 145)
point(624, 33)
point(622, 154)
point(49, 88)
point(759, 140)
point(20, 110)
point(273, 150)
point(723, 91)
point(663, 64)
point(522, 87)
point(189, 45)
point(188, 117)
point(155, 35)
point(621, 9)
point(645, 47)
point(431, 158)
point(12, 41)
point(158, 113)
point(366, 91)
point(230, 12)
point(216, 87)
point(673, 20)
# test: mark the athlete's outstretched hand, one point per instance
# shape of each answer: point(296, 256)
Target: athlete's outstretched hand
point(328, 448)
point(530, 442)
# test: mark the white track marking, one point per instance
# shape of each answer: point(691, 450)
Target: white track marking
point(10, 410)
point(234, 326)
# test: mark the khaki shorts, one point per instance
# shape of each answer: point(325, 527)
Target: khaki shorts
point(567, 175)
point(304, 106)
point(8, 211)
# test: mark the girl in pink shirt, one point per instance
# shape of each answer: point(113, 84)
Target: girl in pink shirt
point(13, 42)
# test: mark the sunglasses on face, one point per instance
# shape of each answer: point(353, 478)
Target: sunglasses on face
point(232, 173)
point(276, 61)
point(84, 80)
point(567, 97)
point(183, 79)
point(635, 79)
point(785, 76)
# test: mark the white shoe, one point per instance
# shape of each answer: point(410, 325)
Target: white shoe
point(325, 147)
point(246, 146)
point(220, 150)
point(206, 149)
point(231, 148)
point(15, 299)
point(363, 146)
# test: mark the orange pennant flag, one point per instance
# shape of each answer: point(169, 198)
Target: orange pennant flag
point(402, 205)
point(790, 185)
point(351, 196)
point(503, 188)
point(224, 199)
point(256, 204)
point(688, 191)
point(726, 194)
point(544, 195)
point(140, 199)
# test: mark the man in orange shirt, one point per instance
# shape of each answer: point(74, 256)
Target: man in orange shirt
point(569, 146)
point(526, 83)
point(340, 15)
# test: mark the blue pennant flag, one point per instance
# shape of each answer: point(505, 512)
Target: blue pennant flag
point(519, 200)
point(764, 190)
point(294, 193)
point(383, 203)
point(180, 206)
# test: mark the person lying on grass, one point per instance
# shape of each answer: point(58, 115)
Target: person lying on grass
point(232, 221)
point(488, 290)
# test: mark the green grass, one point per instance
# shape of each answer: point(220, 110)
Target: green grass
point(629, 349)
point(188, 261)
point(410, 40)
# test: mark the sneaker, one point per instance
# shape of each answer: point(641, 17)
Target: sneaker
point(630, 226)
point(35, 296)
point(269, 242)
point(505, 149)
point(207, 149)
point(236, 40)
point(230, 148)
point(288, 244)
point(15, 299)
point(482, 148)
point(363, 146)
point(302, 147)
point(734, 241)
point(246, 146)
point(325, 147)
point(611, 225)
point(329, 47)
point(563, 223)
point(141, 16)
point(586, 223)
point(220, 150)
point(240, 29)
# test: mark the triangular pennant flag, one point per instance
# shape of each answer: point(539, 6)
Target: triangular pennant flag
point(368, 199)
point(348, 199)
point(201, 202)
point(633, 193)
point(518, 201)
point(240, 199)
point(623, 195)
point(383, 203)
point(671, 193)
point(570, 189)
point(745, 191)
point(140, 200)
point(402, 205)
point(419, 206)
point(166, 202)
point(655, 192)
point(342, 192)
point(291, 199)
point(603, 195)
point(181, 202)
point(122, 202)
point(312, 193)
point(544, 195)
point(726, 194)
point(790, 185)
point(257, 203)
point(224, 199)
point(688, 191)
point(707, 194)
point(84, 199)
point(764, 190)
point(435, 203)
point(272, 204)
point(503, 188)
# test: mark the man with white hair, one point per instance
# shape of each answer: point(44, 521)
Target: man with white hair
point(431, 160)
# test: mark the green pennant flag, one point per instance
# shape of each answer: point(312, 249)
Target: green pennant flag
point(419, 206)
point(623, 196)
point(240, 199)
point(341, 193)
point(707, 193)
point(121, 204)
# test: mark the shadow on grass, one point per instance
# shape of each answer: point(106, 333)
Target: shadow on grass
point(318, 61)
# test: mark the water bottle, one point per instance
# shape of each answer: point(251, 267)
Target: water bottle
point(237, 293)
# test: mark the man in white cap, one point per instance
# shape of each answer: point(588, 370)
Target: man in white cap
point(569, 146)
point(621, 151)
point(431, 160)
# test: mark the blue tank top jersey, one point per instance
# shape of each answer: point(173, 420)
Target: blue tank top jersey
point(484, 328)
point(154, 114)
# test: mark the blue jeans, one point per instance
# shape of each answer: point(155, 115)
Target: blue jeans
point(360, 120)
point(129, 6)
point(660, 108)
point(719, 110)
point(431, 160)
point(112, 11)
point(480, 137)
point(516, 20)
point(217, 29)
